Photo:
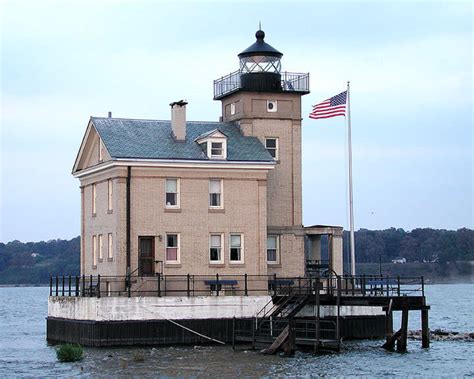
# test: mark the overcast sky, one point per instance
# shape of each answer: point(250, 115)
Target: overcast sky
point(409, 63)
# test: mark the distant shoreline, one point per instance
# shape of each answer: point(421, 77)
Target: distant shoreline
point(24, 285)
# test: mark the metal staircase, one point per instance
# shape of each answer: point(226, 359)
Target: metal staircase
point(276, 326)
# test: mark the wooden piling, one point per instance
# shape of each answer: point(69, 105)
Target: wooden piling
point(402, 341)
point(425, 330)
point(389, 321)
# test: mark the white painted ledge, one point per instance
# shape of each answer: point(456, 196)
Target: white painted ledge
point(155, 308)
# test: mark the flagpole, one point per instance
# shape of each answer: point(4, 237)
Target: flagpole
point(351, 200)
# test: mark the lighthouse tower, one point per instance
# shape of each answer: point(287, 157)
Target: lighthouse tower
point(266, 103)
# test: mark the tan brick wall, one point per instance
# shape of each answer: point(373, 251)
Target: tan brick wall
point(104, 223)
point(244, 212)
point(243, 202)
point(284, 185)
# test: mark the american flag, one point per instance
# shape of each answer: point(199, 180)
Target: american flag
point(335, 106)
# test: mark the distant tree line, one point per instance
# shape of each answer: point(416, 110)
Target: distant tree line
point(34, 262)
point(419, 245)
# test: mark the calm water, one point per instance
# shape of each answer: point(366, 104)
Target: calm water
point(24, 352)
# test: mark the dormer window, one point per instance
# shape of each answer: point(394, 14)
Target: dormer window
point(217, 150)
point(214, 144)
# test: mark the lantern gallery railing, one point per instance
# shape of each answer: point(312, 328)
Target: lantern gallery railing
point(290, 82)
point(234, 285)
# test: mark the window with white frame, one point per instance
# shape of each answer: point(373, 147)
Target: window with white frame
point(273, 243)
point(271, 144)
point(110, 252)
point(110, 190)
point(215, 248)
point(94, 250)
point(236, 248)
point(232, 108)
point(217, 148)
point(94, 199)
point(172, 248)
point(101, 248)
point(172, 193)
point(215, 193)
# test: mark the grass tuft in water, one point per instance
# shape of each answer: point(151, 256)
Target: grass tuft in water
point(69, 352)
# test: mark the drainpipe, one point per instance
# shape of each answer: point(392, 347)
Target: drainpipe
point(129, 174)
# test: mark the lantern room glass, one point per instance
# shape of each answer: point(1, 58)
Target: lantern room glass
point(260, 63)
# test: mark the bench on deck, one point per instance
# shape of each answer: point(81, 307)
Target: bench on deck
point(227, 285)
point(280, 284)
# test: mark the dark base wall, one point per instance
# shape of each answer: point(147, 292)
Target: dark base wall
point(162, 332)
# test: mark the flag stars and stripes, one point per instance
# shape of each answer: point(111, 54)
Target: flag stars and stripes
point(332, 107)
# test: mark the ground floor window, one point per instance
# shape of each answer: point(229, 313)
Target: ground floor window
point(215, 248)
point(172, 248)
point(272, 249)
point(236, 248)
point(94, 250)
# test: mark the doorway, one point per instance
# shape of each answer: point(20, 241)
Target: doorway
point(146, 256)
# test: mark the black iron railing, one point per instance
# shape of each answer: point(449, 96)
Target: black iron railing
point(290, 82)
point(234, 285)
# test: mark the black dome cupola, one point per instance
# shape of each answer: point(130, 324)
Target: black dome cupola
point(260, 66)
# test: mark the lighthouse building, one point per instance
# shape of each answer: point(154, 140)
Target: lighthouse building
point(182, 197)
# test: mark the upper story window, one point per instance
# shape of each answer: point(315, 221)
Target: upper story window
point(232, 108)
point(215, 193)
point(110, 195)
point(273, 247)
point(215, 248)
point(271, 144)
point(217, 149)
point(94, 199)
point(172, 193)
point(236, 248)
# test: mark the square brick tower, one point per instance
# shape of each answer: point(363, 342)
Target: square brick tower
point(266, 102)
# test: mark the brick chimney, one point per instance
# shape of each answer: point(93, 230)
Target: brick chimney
point(178, 119)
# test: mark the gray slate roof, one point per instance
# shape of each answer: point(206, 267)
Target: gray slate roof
point(153, 139)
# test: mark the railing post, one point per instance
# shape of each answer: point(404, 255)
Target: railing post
point(77, 285)
point(187, 287)
point(423, 286)
point(98, 286)
point(57, 286)
point(51, 285)
point(363, 285)
point(246, 293)
point(398, 285)
point(69, 285)
point(158, 276)
point(217, 284)
point(83, 289)
point(90, 285)
point(63, 285)
point(388, 283)
point(275, 284)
